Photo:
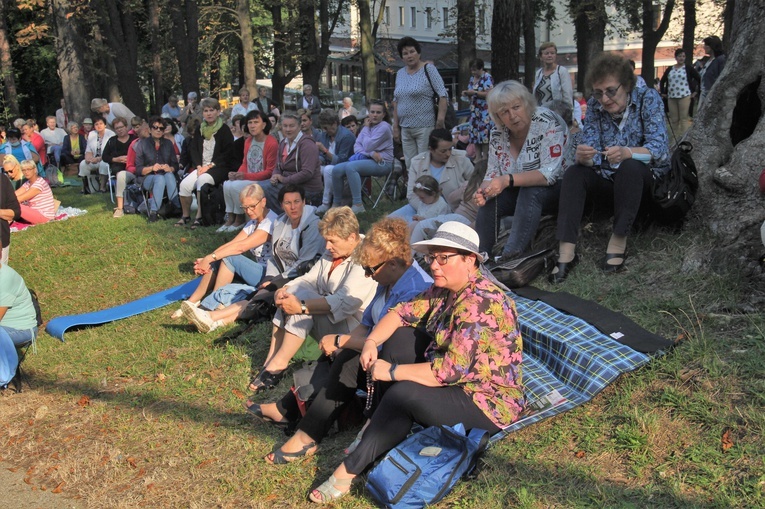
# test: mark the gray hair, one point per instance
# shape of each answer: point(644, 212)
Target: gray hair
point(210, 102)
point(504, 93)
point(98, 103)
point(563, 108)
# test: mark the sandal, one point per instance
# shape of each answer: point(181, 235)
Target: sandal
point(196, 224)
point(255, 409)
point(328, 492)
point(279, 457)
point(611, 268)
point(266, 380)
point(563, 269)
point(182, 221)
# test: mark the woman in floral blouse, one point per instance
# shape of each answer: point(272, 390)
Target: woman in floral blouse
point(472, 373)
point(481, 124)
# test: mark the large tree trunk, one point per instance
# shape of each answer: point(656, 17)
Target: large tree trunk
point(652, 38)
point(529, 43)
point(156, 58)
point(185, 28)
point(729, 203)
point(71, 67)
point(6, 65)
point(248, 45)
point(465, 40)
point(590, 31)
point(506, 34)
point(284, 70)
point(689, 28)
point(368, 64)
point(309, 48)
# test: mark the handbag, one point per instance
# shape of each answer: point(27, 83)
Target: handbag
point(451, 116)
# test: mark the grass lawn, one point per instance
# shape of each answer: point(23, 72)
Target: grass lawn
point(146, 412)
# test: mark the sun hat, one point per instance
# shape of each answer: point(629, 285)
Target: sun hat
point(452, 234)
point(87, 120)
point(97, 104)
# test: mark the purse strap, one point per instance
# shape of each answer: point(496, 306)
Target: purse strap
point(435, 94)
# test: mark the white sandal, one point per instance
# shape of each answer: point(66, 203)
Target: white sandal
point(328, 492)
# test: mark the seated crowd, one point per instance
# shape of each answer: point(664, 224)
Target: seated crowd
point(430, 348)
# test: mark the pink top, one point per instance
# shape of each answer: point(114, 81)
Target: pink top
point(43, 201)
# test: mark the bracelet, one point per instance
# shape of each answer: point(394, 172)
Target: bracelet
point(337, 340)
point(392, 372)
point(372, 340)
point(214, 256)
point(631, 154)
point(511, 180)
point(303, 308)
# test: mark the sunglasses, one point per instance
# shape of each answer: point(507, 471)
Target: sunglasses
point(441, 258)
point(609, 92)
point(371, 271)
point(158, 127)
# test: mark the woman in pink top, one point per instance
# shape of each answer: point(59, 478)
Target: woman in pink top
point(35, 196)
point(258, 164)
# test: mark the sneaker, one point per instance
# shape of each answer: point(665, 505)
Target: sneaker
point(235, 227)
point(118, 213)
point(223, 228)
point(321, 209)
point(153, 217)
point(179, 312)
point(358, 209)
point(199, 317)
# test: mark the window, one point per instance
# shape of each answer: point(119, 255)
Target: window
point(429, 18)
point(413, 14)
point(387, 15)
point(446, 17)
point(481, 21)
point(400, 16)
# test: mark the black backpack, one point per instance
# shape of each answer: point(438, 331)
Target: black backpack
point(213, 204)
point(675, 191)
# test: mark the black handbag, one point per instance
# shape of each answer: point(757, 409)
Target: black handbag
point(451, 116)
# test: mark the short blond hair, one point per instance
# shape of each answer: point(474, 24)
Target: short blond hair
point(27, 164)
point(339, 221)
point(252, 190)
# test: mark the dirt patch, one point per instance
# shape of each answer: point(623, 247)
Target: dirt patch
point(17, 492)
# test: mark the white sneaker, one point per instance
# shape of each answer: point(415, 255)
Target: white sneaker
point(217, 324)
point(200, 318)
point(321, 209)
point(235, 228)
point(358, 209)
point(118, 213)
point(177, 314)
point(223, 229)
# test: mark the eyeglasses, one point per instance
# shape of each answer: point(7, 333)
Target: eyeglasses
point(158, 127)
point(371, 271)
point(247, 208)
point(441, 258)
point(609, 92)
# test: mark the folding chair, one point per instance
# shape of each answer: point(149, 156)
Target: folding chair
point(19, 378)
point(390, 187)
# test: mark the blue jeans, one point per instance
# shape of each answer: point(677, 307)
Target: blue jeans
point(158, 184)
point(406, 212)
point(247, 269)
point(20, 336)
point(353, 171)
point(526, 205)
point(227, 295)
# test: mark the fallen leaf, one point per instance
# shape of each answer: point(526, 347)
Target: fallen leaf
point(84, 401)
point(59, 488)
point(131, 461)
point(184, 240)
point(160, 377)
point(680, 337)
point(31, 422)
point(207, 462)
point(579, 454)
point(236, 392)
point(727, 440)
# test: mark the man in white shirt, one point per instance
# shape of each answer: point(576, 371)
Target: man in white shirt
point(244, 106)
point(110, 111)
point(54, 138)
point(62, 118)
point(93, 161)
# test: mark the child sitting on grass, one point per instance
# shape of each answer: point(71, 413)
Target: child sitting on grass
point(432, 203)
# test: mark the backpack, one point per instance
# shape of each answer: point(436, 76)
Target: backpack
point(132, 199)
point(213, 204)
point(422, 469)
point(36, 305)
point(675, 191)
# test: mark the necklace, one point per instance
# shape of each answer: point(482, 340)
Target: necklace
point(370, 391)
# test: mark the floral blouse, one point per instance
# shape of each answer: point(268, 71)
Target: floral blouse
point(476, 344)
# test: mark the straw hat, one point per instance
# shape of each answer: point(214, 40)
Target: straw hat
point(452, 234)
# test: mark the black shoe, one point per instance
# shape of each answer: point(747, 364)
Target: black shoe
point(563, 269)
point(153, 217)
point(611, 268)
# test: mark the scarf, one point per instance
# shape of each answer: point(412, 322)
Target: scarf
point(208, 131)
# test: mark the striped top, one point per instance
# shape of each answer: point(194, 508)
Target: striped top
point(42, 201)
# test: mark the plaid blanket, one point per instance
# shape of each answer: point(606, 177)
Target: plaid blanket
point(566, 361)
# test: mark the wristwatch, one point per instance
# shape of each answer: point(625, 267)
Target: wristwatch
point(303, 309)
point(337, 340)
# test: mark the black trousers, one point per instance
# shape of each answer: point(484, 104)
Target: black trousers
point(626, 196)
point(343, 376)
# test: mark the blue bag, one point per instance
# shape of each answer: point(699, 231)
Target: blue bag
point(422, 469)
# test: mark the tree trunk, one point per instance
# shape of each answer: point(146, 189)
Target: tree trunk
point(71, 67)
point(729, 26)
point(309, 49)
point(652, 38)
point(590, 31)
point(529, 43)
point(689, 28)
point(248, 45)
point(156, 58)
point(185, 31)
point(6, 65)
point(284, 70)
point(506, 34)
point(368, 63)
point(466, 33)
point(729, 203)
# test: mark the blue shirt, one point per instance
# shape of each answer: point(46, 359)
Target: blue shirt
point(18, 151)
point(642, 126)
point(344, 140)
point(411, 283)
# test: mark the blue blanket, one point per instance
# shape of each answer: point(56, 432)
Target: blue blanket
point(566, 361)
point(58, 326)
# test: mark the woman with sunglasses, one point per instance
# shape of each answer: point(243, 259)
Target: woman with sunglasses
point(219, 268)
point(624, 147)
point(386, 257)
point(470, 372)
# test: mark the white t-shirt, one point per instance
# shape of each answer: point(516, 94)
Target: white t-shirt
point(263, 252)
point(53, 136)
